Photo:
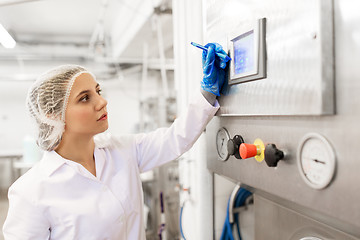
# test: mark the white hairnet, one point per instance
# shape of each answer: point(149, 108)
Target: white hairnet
point(47, 100)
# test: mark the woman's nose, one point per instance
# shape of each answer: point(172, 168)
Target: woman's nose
point(101, 103)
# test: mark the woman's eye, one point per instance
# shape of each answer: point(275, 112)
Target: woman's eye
point(99, 91)
point(84, 98)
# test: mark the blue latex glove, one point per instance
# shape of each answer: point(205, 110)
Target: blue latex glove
point(213, 69)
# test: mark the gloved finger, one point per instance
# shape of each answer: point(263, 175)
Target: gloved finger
point(204, 57)
point(209, 53)
point(213, 45)
point(218, 48)
point(208, 60)
point(221, 62)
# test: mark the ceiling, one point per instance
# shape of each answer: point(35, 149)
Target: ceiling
point(105, 34)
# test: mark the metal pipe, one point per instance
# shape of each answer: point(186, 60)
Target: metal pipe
point(8, 3)
point(152, 63)
point(144, 77)
point(162, 56)
point(231, 202)
point(98, 36)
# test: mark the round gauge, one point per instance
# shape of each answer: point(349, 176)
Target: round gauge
point(316, 160)
point(222, 137)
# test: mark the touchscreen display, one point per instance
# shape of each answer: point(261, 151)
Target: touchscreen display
point(244, 53)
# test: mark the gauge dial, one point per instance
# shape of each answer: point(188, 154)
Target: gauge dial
point(222, 137)
point(316, 160)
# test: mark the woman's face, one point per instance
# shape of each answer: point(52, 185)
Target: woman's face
point(86, 110)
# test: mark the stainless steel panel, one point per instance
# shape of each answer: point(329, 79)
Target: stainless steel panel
point(338, 204)
point(274, 222)
point(299, 46)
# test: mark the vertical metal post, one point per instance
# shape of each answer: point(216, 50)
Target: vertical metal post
point(144, 77)
point(161, 56)
point(165, 93)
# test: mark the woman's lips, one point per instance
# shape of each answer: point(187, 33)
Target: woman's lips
point(103, 117)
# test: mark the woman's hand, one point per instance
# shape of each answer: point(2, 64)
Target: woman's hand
point(214, 68)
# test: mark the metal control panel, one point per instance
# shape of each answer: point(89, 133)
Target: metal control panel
point(248, 54)
point(292, 110)
point(286, 45)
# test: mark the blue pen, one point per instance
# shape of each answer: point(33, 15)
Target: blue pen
point(224, 56)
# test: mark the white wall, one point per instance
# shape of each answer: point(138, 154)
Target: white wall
point(14, 124)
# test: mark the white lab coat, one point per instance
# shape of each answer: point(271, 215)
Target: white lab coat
point(60, 199)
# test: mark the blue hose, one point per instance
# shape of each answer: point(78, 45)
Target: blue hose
point(240, 198)
point(181, 230)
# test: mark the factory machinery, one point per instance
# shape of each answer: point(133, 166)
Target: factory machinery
point(288, 127)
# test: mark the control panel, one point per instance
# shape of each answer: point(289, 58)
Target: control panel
point(282, 62)
point(248, 54)
point(280, 134)
point(227, 146)
point(315, 156)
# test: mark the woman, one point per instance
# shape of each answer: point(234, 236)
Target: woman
point(86, 187)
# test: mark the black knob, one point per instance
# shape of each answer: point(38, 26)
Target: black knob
point(233, 146)
point(273, 155)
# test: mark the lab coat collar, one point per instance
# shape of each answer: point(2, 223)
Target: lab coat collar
point(51, 161)
point(100, 159)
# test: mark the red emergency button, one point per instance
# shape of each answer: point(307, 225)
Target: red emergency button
point(253, 150)
point(248, 150)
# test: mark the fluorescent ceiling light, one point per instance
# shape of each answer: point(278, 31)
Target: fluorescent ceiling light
point(5, 38)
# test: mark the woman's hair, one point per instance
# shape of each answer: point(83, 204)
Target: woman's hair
point(47, 100)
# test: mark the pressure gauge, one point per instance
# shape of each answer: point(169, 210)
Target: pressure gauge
point(316, 160)
point(222, 137)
